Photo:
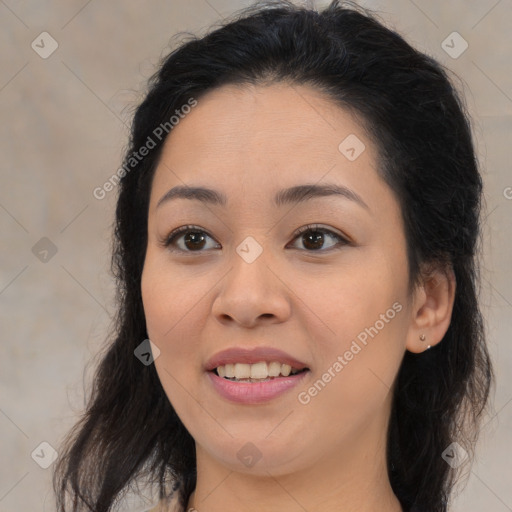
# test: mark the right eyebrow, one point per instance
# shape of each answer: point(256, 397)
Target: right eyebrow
point(206, 195)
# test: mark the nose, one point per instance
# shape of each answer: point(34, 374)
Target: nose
point(252, 293)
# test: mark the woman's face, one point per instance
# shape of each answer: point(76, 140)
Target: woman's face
point(242, 286)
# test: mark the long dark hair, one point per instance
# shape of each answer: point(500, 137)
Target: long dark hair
point(421, 127)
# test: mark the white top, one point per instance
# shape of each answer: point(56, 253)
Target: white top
point(170, 505)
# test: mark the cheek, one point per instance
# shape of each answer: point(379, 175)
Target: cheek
point(348, 299)
point(168, 309)
point(159, 300)
point(168, 297)
point(360, 316)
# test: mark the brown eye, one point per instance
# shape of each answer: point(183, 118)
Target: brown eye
point(313, 238)
point(196, 240)
point(188, 239)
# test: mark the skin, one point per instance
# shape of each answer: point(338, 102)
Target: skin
point(329, 454)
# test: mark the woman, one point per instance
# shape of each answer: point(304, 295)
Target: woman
point(296, 233)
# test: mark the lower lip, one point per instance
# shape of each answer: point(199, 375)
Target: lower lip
point(254, 392)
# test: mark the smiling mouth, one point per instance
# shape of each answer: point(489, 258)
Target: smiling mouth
point(258, 372)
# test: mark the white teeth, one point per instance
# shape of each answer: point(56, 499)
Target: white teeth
point(274, 369)
point(230, 370)
point(242, 371)
point(257, 371)
point(285, 370)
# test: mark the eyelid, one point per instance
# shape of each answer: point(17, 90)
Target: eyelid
point(168, 239)
point(342, 239)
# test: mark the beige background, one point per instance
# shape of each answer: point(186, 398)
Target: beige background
point(63, 134)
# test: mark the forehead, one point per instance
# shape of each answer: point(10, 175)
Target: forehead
point(277, 118)
point(265, 135)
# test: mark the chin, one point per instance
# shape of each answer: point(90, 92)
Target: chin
point(260, 457)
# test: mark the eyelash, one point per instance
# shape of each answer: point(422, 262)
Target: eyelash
point(171, 238)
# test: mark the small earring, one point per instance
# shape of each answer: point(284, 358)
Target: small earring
point(423, 338)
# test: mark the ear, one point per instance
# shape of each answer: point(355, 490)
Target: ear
point(431, 312)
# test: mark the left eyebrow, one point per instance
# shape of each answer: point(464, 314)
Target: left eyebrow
point(306, 192)
point(296, 194)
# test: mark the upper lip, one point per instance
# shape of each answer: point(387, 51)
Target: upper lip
point(251, 356)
